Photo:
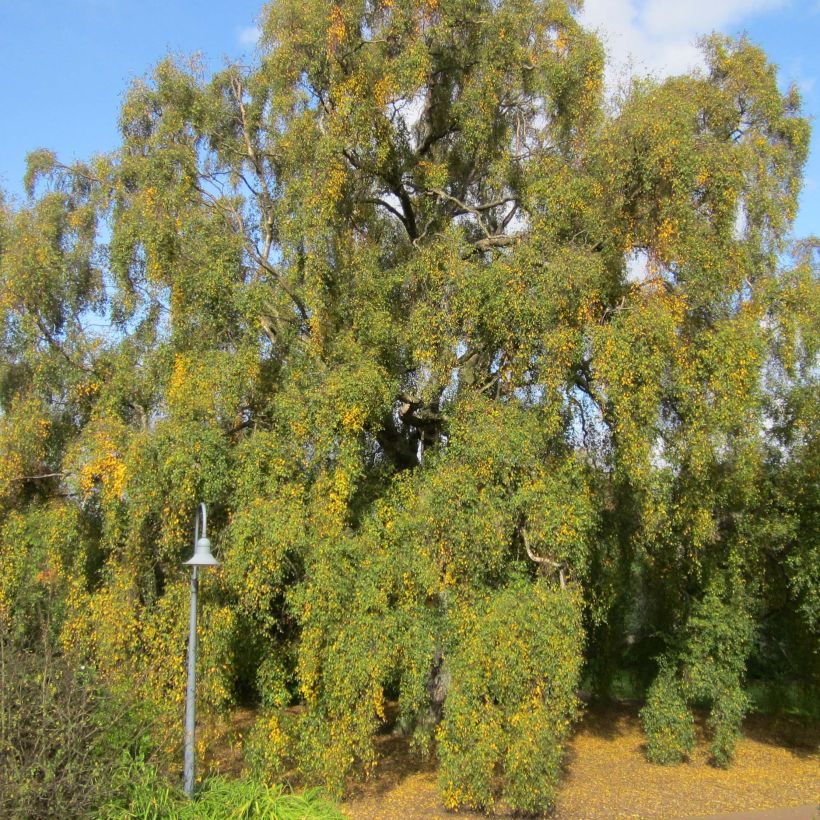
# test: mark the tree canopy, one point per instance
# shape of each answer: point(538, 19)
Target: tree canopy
point(492, 385)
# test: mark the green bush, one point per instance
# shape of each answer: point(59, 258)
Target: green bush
point(138, 790)
point(667, 720)
point(514, 670)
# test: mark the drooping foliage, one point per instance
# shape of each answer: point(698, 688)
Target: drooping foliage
point(483, 379)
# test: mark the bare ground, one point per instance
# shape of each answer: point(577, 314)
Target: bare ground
point(607, 776)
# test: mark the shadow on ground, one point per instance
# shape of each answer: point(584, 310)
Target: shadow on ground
point(606, 774)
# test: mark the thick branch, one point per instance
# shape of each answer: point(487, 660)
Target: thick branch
point(432, 138)
point(389, 207)
point(544, 562)
point(393, 183)
point(300, 305)
point(409, 213)
point(495, 241)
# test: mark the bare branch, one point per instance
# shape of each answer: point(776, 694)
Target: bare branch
point(542, 561)
point(37, 477)
point(464, 208)
point(470, 209)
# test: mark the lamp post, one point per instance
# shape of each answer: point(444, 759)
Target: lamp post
point(201, 558)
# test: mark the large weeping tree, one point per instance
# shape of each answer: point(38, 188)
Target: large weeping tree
point(485, 381)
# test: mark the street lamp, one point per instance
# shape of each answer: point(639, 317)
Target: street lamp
point(201, 558)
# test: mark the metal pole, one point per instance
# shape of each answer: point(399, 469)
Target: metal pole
point(190, 707)
point(201, 557)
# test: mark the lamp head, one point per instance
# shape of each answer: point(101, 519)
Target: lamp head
point(202, 556)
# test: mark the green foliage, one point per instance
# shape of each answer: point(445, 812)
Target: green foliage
point(422, 320)
point(717, 638)
point(37, 548)
point(708, 670)
point(667, 720)
point(514, 672)
point(789, 698)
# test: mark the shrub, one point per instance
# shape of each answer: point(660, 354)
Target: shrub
point(138, 790)
point(249, 798)
point(61, 735)
point(667, 721)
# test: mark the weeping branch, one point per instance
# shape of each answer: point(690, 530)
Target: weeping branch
point(49, 337)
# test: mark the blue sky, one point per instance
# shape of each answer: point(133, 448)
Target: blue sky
point(65, 64)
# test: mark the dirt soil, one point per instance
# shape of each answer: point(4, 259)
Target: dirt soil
point(775, 776)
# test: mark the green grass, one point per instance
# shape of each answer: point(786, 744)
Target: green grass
point(144, 795)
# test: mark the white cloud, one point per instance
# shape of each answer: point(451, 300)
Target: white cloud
point(695, 16)
point(248, 37)
point(660, 36)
